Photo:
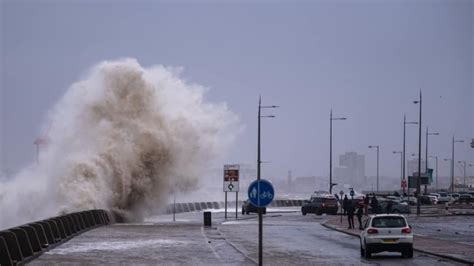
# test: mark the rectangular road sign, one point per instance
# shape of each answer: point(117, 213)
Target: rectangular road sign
point(231, 177)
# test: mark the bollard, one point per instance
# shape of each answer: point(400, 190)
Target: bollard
point(207, 219)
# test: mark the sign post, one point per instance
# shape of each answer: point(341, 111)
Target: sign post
point(261, 194)
point(231, 184)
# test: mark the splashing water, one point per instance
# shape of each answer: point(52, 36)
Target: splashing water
point(121, 139)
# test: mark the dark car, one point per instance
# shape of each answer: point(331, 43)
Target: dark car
point(396, 206)
point(320, 205)
point(425, 200)
point(464, 198)
point(248, 207)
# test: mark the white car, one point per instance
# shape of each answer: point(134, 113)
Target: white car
point(386, 232)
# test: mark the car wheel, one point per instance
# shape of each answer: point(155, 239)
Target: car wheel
point(243, 211)
point(362, 251)
point(319, 212)
point(247, 212)
point(367, 252)
point(304, 213)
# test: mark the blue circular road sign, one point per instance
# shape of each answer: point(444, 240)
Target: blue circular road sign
point(261, 193)
point(352, 193)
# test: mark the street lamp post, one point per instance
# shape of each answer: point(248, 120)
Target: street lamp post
point(330, 148)
point(426, 158)
point(259, 162)
point(452, 162)
point(401, 166)
point(436, 158)
point(376, 146)
point(404, 153)
point(418, 183)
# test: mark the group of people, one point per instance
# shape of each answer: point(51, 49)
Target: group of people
point(352, 207)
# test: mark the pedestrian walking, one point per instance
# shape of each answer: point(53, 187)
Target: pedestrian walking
point(345, 204)
point(359, 216)
point(350, 214)
point(366, 205)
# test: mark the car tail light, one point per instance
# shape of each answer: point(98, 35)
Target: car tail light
point(406, 231)
point(372, 231)
point(323, 205)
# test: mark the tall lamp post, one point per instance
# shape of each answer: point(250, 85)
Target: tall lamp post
point(436, 158)
point(452, 162)
point(404, 153)
point(331, 184)
point(418, 183)
point(376, 146)
point(259, 162)
point(401, 165)
point(426, 151)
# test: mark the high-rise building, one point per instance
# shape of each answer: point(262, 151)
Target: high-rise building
point(351, 169)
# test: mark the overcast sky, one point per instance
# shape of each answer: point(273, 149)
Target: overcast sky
point(367, 60)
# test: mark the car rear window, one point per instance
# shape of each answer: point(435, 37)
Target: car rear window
point(388, 222)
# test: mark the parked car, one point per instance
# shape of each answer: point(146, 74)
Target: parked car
point(386, 232)
point(464, 198)
point(445, 199)
point(443, 194)
point(320, 205)
point(396, 206)
point(412, 201)
point(248, 207)
point(454, 195)
point(426, 200)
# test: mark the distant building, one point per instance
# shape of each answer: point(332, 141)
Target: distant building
point(351, 169)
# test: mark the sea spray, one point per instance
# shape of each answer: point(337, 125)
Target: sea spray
point(122, 139)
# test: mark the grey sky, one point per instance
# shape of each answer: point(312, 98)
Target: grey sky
point(366, 60)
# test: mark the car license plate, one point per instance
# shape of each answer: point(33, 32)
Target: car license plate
point(390, 240)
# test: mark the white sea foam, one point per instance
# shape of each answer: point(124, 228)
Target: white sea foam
point(123, 137)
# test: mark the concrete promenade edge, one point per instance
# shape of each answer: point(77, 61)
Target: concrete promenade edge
point(437, 247)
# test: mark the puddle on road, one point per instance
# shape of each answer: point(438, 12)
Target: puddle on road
point(114, 246)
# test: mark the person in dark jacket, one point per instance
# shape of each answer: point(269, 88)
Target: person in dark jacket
point(366, 205)
point(345, 204)
point(375, 204)
point(359, 214)
point(350, 213)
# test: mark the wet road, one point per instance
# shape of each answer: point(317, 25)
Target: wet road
point(289, 239)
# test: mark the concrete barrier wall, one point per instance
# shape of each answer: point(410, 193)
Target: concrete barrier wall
point(5, 258)
point(21, 244)
point(199, 206)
